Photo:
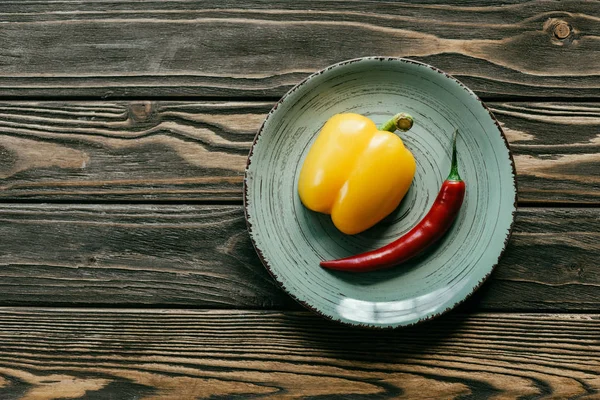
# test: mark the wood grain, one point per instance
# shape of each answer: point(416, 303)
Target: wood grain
point(556, 147)
point(201, 256)
point(173, 354)
point(190, 151)
point(125, 150)
point(255, 48)
point(192, 255)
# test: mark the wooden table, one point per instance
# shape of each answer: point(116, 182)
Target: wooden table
point(126, 268)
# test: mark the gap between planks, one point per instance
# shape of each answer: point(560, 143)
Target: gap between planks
point(270, 99)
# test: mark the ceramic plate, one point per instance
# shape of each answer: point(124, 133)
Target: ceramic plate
point(291, 240)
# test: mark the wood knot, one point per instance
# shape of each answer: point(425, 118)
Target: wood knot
point(140, 111)
point(562, 30)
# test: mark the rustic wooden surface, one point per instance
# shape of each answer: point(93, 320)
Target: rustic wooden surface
point(124, 130)
point(257, 48)
point(178, 354)
point(191, 151)
point(201, 256)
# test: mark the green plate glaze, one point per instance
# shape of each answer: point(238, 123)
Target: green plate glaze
point(291, 240)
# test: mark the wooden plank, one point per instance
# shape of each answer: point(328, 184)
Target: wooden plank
point(173, 354)
point(256, 48)
point(556, 147)
point(182, 151)
point(117, 254)
point(126, 150)
point(201, 256)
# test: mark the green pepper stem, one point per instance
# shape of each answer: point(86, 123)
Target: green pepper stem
point(401, 121)
point(454, 176)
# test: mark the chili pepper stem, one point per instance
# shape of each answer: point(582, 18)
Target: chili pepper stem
point(454, 176)
point(401, 121)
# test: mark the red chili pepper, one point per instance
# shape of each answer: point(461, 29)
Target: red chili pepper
point(429, 230)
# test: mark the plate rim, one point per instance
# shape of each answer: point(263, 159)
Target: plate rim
point(268, 267)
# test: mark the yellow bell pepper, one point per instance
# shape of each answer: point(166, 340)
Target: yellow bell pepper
point(357, 172)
